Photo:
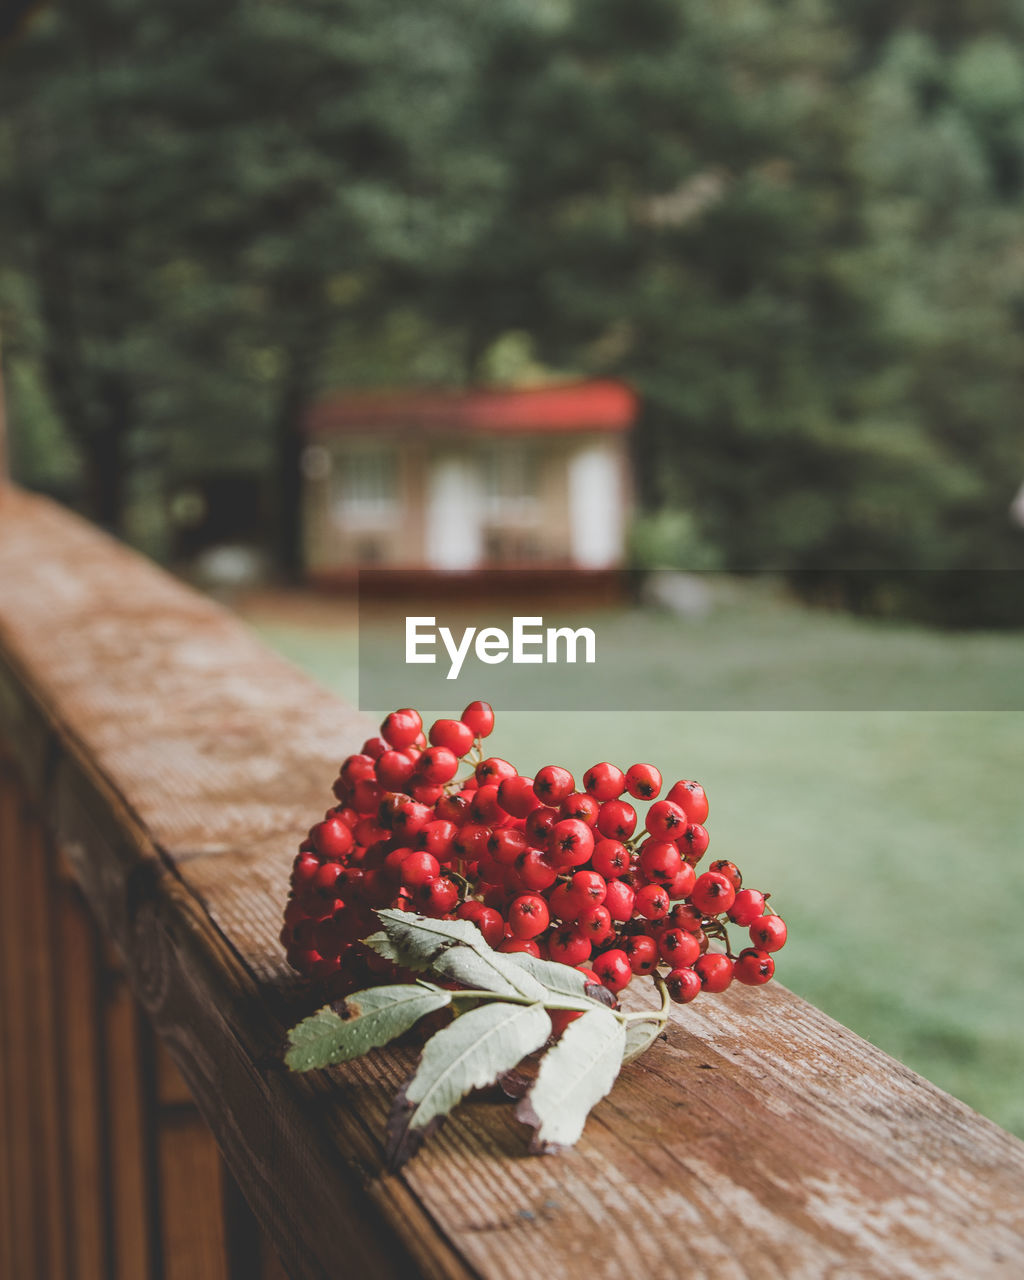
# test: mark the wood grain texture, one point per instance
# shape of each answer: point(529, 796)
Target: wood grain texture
point(76, 999)
point(133, 1247)
point(17, 1242)
point(194, 1245)
point(759, 1138)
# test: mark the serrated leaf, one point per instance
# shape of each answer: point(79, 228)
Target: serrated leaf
point(452, 949)
point(471, 1053)
point(366, 1021)
point(574, 1076)
point(640, 1035)
point(562, 981)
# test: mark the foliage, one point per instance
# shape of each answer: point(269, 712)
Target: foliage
point(793, 227)
point(502, 1005)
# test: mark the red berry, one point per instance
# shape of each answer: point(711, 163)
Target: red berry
point(355, 769)
point(560, 1019)
point(402, 728)
point(589, 974)
point(484, 807)
point(586, 889)
point(714, 971)
point(517, 797)
point(487, 920)
point(768, 933)
point(471, 840)
point(374, 747)
point(712, 893)
point(418, 868)
point(333, 838)
point(540, 823)
point(437, 765)
point(571, 843)
point(730, 870)
point(613, 968)
point(678, 948)
point(604, 781)
point(682, 885)
point(652, 902)
point(394, 769)
point(616, 819)
point(506, 844)
point(534, 871)
point(456, 735)
point(690, 797)
point(568, 946)
point(665, 820)
point(610, 859)
point(292, 913)
point(326, 877)
point(685, 916)
point(619, 900)
point(521, 944)
point(660, 860)
point(410, 818)
point(748, 907)
point(642, 951)
point(595, 924)
point(528, 916)
point(552, 784)
point(437, 897)
point(395, 861)
point(479, 717)
point(683, 985)
point(494, 770)
point(753, 967)
point(436, 837)
point(693, 842)
point(427, 793)
point(366, 796)
point(643, 781)
point(492, 925)
point(452, 809)
point(580, 806)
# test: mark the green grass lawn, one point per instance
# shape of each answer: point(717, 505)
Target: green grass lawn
point(892, 840)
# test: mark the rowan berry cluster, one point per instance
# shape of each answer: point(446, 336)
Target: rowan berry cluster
point(537, 865)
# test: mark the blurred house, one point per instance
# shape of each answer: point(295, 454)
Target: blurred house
point(462, 482)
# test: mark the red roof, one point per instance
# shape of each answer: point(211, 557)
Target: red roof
point(581, 406)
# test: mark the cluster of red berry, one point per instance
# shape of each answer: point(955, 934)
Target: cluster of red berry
point(535, 864)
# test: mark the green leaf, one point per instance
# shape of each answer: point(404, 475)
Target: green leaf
point(452, 949)
point(562, 981)
point(640, 1035)
point(574, 1076)
point(366, 1021)
point(469, 1054)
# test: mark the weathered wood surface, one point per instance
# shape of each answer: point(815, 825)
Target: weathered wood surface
point(180, 763)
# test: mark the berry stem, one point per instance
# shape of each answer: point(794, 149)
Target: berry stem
point(652, 1015)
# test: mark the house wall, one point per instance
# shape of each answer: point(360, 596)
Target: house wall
point(459, 504)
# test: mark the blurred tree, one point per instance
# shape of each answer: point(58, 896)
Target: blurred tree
point(197, 198)
point(793, 225)
point(795, 230)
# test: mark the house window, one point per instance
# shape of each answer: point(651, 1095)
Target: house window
point(512, 506)
point(511, 475)
point(367, 484)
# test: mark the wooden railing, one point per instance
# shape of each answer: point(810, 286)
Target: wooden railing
point(157, 751)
